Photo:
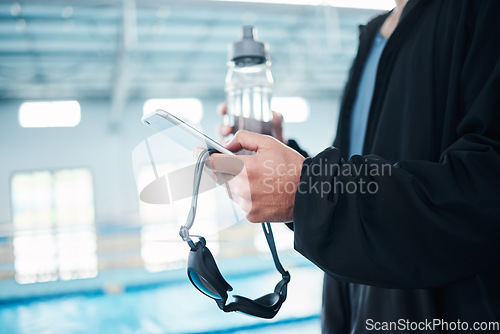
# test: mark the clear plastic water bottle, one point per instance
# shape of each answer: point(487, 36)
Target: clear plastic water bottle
point(249, 85)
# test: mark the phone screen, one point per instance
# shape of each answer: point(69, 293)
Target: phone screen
point(181, 132)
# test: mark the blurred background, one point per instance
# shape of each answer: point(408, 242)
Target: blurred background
point(79, 253)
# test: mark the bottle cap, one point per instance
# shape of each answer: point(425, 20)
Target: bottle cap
point(248, 49)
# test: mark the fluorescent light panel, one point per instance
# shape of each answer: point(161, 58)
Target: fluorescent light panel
point(365, 4)
point(49, 114)
point(190, 110)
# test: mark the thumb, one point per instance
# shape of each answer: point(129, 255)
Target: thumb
point(278, 126)
point(246, 140)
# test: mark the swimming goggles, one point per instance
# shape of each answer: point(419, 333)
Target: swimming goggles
point(205, 275)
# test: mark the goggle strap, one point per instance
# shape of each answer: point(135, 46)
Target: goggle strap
point(198, 171)
point(268, 232)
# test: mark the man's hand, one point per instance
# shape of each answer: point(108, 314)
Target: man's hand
point(265, 187)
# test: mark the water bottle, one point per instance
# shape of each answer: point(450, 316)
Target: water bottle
point(249, 85)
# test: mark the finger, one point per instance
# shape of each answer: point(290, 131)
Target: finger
point(239, 185)
point(221, 178)
point(246, 140)
point(278, 126)
point(224, 163)
point(224, 130)
point(221, 108)
point(277, 118)
point(255, 218)
point(244, 204)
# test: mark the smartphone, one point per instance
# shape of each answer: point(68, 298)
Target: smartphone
point(181, 132)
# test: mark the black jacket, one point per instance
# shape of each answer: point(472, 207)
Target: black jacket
point(424, 243)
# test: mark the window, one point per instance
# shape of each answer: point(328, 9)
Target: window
point(53, 217)
point(293, 109)
point(190, 110)
point(49, 114)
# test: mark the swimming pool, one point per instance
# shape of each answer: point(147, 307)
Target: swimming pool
point(169, 307)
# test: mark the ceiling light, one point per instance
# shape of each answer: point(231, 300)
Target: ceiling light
point(49, 114)
point(190, 110)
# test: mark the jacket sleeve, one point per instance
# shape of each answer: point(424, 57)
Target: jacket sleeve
point(413, 224)
point(293, 144)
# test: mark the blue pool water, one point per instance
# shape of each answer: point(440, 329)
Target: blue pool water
point(168, 308)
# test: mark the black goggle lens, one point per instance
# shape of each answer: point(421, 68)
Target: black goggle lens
point(203, 285)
